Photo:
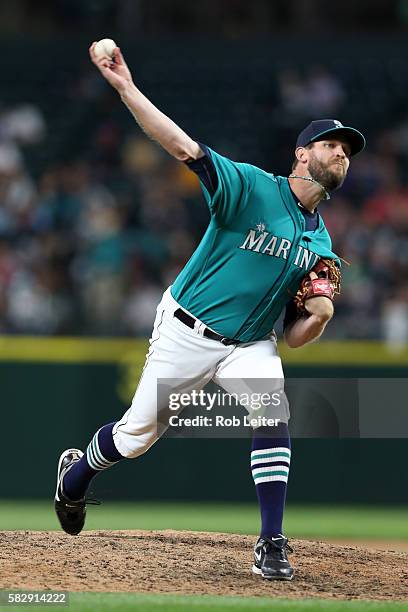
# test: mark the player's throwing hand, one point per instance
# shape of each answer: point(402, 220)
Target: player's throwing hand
point(113, 69)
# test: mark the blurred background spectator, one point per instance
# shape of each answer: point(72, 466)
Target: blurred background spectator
point(95, 220)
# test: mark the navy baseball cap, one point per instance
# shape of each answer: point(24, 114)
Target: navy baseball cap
point(330, 128)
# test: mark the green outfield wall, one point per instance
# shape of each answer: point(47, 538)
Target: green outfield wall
point(56, 392)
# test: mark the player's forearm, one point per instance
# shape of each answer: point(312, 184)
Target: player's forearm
point(158, 126)
point(305, 330)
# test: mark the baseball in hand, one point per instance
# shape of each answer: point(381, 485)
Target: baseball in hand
point(105, 46)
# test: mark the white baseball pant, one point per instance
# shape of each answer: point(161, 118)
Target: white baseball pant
point(189, 359)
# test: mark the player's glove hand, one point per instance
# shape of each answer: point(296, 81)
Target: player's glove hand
point(326, 282)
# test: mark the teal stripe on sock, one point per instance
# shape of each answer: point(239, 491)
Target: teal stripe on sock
point(268, 455)
point(98, 455)
point(263, 474)
point(93, 459)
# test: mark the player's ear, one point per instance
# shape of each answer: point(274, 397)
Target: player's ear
point(301, 154)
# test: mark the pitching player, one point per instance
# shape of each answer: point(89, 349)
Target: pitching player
point(216, 321)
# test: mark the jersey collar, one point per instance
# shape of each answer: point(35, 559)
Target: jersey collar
point(303, 211)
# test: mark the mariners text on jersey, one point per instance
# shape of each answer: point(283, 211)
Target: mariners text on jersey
point(265, 243)
point(254, 254)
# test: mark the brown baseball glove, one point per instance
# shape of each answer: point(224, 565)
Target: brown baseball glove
point(327, 284)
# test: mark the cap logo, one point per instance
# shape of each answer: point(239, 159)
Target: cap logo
point(337, 123)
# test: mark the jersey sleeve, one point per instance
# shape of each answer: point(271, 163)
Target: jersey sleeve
point(226, 184)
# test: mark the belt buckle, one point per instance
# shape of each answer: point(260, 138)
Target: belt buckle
point(226, 341)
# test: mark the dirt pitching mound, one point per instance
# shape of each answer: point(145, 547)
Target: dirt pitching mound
point(192, 562)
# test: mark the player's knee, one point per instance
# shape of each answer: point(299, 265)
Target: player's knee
point(132, 445)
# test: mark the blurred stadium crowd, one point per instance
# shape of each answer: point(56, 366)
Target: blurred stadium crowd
point(225, 17)
point(89, 240)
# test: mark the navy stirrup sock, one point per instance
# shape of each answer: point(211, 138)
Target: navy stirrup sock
point(100, 455)
point(270, 461)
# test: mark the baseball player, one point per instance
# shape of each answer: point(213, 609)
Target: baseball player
point(216, 321)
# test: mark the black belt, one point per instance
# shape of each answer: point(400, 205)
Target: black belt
point(190, 321)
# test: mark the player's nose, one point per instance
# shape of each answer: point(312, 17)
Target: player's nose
point(340, 152)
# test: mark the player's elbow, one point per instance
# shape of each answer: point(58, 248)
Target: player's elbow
point(186, 150)
point(299, 342)
point(291, 339)
point(296, 337)
point(292, 343)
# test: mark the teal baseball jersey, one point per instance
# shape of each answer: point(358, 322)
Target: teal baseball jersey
point(254, 254)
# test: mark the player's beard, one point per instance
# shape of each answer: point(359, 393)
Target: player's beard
point(326, 175)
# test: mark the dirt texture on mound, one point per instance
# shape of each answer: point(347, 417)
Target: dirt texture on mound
point(191, 562)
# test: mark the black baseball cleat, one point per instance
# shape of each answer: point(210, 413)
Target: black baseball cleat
point(71, 514)
point(270, 559)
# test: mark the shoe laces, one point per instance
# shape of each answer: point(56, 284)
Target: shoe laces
point(285, 547)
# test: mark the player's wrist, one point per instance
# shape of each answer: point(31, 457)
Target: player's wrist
point(125, 89)
point(322, 318)
point(321, 306)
